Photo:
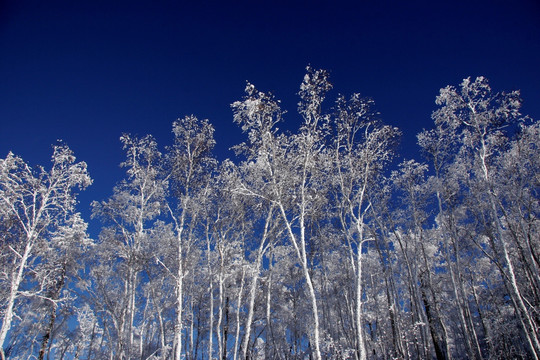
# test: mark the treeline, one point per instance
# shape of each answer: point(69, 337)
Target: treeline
point(307, 246)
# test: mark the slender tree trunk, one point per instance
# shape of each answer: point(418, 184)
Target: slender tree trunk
point(191, 328)
point(238, 306)
point(211, 322)
point(161, 326)
point(251, 307)
point(359, 327)
point(432, 321)
point(14, 288)
point(253, 288)
point(179, 308)
point(316, 335)
point(220, 309)
point(131, 324)
point(300, 248)
point(211, 325)
point(211, 292)
point(225, 329)
point(269, 330)
point(361, 346)
point(48, 332)
point(179, 227)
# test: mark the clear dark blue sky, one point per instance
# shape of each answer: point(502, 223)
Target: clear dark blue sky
point(87, 71)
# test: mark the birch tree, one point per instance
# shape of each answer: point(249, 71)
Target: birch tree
point(191, 166)
point(361, 149)
point(289, 166)
point(34, 205)
point(130, 214)
point(481, 121)
point(258, 224)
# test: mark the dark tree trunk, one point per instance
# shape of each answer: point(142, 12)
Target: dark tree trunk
point(54, 294)
point(434, 325)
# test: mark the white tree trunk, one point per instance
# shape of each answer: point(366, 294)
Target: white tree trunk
point(191, 327)
point(211, 292)
point(238, 306)
point(316, 335)
point(179, 280)
point(220, 310)
point(179, 303)
point(301, 252)
point(358, 319)
point(253, 289)
point(14, 288)
point(268, 311)
point(132, 314)
point(249, 320)
point(211, 323)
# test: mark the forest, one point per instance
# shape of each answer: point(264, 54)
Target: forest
point(318, 243)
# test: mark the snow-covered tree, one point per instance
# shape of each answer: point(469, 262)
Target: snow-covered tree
point(361, 148)
point(38, 214)
point(310, 243)
point(469, 149)
point(191, 166)
point(126, 247)
point(290, 167)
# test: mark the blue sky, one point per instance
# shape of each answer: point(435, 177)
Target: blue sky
point(87, 71)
